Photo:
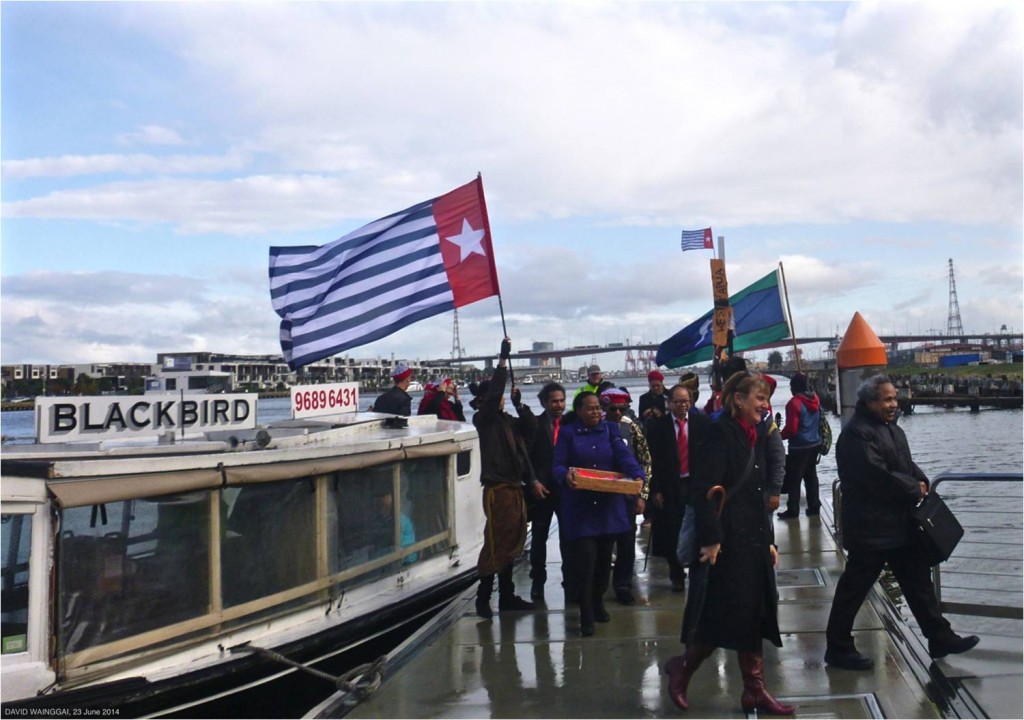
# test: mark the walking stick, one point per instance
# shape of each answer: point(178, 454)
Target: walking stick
point(647, 552)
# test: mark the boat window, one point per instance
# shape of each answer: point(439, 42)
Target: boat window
point(17, 546)
point(360, 516)
point(132, 566)
point(366, 527)
point(424, 506)
point(268, 541)
point(463, 463)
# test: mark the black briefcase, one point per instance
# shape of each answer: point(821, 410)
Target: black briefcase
point(935, 529)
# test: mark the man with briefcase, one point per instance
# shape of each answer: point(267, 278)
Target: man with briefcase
point(880, 487)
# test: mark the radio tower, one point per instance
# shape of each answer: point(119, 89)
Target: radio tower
point(456, 343)
point(954, 327)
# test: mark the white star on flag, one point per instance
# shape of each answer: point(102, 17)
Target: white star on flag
point(469, 241)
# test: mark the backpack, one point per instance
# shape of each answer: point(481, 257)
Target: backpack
point(826, 433)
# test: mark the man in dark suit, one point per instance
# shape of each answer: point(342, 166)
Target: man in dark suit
point(676, 442)
point(542, 498)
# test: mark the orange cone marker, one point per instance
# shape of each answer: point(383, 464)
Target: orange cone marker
point(859, 356)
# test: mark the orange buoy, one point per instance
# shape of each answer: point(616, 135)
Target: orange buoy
point(859, 356)
point(860, 346)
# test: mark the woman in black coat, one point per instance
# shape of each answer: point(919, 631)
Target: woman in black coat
point(737, 606)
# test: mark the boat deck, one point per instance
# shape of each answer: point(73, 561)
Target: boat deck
point(535, 664)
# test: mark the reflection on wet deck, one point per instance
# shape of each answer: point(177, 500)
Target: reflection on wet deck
point(535, 664)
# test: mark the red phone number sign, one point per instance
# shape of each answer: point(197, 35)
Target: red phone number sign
point(314, 400)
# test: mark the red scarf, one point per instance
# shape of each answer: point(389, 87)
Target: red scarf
point(750, 430)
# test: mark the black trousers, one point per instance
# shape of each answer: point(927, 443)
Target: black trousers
point(625, 552)
point(625, 560)
point(541, 513)
point(801, 465)
point(862, 570)
point(593, 559)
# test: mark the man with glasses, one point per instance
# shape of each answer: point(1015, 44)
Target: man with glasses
point(615, 402)
point(676, 443)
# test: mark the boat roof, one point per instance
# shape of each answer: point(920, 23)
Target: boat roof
point(94, 472)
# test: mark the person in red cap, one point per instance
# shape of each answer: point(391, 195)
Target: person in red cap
point(615, 403)
point(442, 399)
point(396, 401)
point(654, 402)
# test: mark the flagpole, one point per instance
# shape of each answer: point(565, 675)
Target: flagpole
point(494, 264)
point(789, 315)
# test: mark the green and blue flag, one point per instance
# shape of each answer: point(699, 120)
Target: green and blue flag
point(759, 317)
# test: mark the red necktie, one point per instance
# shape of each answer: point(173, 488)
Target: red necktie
point(558, 422)
point(684, 448)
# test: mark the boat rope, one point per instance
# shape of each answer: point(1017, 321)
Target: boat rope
point(361, 680)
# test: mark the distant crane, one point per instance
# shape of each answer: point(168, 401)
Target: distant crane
point(954, 327)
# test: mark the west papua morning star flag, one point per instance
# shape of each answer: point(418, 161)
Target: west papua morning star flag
point(697, 240)
point(425, 260)
point(759, 317)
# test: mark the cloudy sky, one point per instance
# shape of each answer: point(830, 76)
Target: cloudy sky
point(153, 152)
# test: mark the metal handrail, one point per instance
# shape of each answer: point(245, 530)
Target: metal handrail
point(976, 609)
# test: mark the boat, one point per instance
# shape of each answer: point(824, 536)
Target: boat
point(162, 552)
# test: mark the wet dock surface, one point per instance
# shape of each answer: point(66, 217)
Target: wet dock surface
point(536, 665)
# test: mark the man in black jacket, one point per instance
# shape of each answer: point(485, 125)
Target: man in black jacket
point(880, 486)
point(396, 401)
point(504, 463)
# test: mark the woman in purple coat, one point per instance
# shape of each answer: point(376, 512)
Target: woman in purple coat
point(591, 520)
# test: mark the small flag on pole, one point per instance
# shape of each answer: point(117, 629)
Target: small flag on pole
point(414, 264)
point(697, 240)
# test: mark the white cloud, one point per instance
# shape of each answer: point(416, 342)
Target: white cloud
point(136, 164)
point(151, 135)
point(662, 113)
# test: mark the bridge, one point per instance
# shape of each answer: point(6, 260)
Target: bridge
point(1003, 341)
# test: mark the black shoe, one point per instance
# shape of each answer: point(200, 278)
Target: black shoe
point(537, 591)
point(625, 597)
point(587, 630)
point(953, 645)
point(483, 608)
point(813, 513)
point(789, 514)
point(601, 615)
point(849, 660)
point(513, 604)
point(677, 586)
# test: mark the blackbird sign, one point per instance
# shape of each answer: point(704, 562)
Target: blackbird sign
point(84, 418)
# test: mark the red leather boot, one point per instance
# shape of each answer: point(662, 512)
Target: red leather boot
point(755, 696)
point(681, 668)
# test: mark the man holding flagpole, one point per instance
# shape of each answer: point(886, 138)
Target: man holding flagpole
point(505, 463)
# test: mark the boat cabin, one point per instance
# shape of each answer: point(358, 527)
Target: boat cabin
point(136, 560)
